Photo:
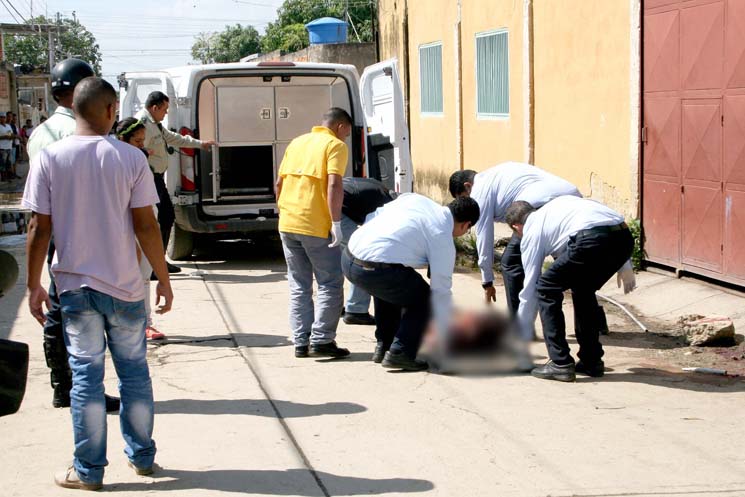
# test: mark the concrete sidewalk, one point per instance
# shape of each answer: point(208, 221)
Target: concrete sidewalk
point(237, 413)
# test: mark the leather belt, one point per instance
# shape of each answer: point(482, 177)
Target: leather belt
point(370, 264)
point(603, 229)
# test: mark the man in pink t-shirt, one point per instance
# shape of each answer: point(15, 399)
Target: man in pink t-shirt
point(95, 194)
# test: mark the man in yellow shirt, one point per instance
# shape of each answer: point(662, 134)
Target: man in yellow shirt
point(310, 195)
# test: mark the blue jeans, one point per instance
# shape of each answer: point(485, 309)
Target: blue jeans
point(92, 319)
point(309, 256)
point(358, 301)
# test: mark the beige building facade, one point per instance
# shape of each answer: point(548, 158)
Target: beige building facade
point(570, 103)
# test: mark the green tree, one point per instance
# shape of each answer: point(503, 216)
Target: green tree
point(284, 33)
point(229, 45)
point(74, 41)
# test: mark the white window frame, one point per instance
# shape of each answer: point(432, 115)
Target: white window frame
point(484, 115)
point(421, 81)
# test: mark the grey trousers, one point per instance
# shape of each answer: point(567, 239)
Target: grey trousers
point(306, 257)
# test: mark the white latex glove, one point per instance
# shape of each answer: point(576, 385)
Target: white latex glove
point(626, 277)
point(335, 234)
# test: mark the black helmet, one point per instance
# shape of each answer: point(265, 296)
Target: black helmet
point(69, 73)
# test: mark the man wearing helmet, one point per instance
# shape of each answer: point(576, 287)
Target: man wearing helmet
point(61, 124)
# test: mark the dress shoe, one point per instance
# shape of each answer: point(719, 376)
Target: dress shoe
point(362, 318)
point(69, 479)
point(328, 350)
point(301, 351)
point(595, 370)
point(172, 269)
point(379, 354)
point(552, 371)
point(399, 360)
point(112, 403)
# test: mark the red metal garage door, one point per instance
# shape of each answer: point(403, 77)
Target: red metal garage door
point(693, 189)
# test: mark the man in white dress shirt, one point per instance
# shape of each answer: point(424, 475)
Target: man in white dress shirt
point(589, 242)
point(410, 232)
point(495, 189)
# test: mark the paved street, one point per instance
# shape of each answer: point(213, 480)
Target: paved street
point(237, 413)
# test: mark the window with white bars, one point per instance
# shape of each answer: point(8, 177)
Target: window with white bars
point(430, 78)
point(492, 74)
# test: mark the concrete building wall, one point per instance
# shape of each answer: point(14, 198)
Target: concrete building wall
point(392, 37)
point(433, 137)
point(360, 55)
point(488, 141)
point(584, 108)
point(574, 90)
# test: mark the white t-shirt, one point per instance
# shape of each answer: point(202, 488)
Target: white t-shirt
point(6, 143)
point(89, 184)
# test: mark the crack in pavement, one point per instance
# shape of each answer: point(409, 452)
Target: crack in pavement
point(264, 390)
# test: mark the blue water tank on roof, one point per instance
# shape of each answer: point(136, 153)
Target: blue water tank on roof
point(327, 30)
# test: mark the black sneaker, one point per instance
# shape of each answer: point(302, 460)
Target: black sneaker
point(172, 269)
point(328, 350)
point(362, 318)
point(379, 354)
point(595, 370)
point(301, 351)
point(399, 360)
point(112, 403)
point(552, 371)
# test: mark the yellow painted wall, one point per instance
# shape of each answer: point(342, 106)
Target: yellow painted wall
point(391, 40)
point(583, 103)
point(433, 138)
point(488, 141)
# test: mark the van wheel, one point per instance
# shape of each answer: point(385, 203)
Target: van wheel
point(181, 244)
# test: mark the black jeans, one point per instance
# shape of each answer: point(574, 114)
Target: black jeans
point(402, 303)
point(166, 215)
point(591, 258)
point(513, 276)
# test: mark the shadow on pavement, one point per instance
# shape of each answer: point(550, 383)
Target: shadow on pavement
point(272, 482)
point(641, 340)
point(256, 407)
point(272, 277)
point(244, 340)
point(694, 382)
point(352, 357)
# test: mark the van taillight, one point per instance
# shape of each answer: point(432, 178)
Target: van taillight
point(187, 164)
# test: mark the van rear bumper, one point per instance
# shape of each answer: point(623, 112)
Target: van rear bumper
point(187, 219)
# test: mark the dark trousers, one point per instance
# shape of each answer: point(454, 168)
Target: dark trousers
point(54, 340)
point(513, 276)
point(591, 258)
point(401, 299)
point(166, 215)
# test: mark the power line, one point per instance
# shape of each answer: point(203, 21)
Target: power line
point(16, 10)
point(9, 12)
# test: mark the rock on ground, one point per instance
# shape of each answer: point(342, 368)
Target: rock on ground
point(707, 330)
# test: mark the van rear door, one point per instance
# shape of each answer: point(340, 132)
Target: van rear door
point(136, 86)
point(382, 100)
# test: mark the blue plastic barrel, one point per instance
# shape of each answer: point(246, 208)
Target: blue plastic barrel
point(327, 30)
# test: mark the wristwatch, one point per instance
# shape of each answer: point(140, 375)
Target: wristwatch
point(488, 284)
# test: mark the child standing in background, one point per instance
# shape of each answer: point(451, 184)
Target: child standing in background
point(132, 131)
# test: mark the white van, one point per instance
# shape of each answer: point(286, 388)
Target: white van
point(253, 111)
